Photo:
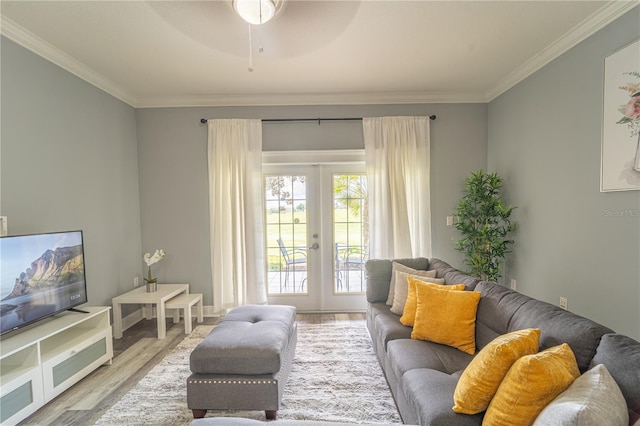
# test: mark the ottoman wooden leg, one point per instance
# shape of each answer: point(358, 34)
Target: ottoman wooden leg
point(198, 414)
point(270, 414)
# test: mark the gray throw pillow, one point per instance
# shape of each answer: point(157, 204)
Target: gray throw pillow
point(395, 266)
point(593, 399)
point(401, 288)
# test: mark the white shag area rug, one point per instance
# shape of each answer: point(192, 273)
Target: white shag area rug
point(335, 377)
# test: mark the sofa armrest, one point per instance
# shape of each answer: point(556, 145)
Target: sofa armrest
point(378, 273)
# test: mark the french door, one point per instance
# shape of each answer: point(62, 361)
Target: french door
point(316, 236)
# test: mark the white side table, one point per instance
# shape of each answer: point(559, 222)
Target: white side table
point(185, 302)
point(140, 296)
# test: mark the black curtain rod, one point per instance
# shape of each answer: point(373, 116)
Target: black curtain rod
point(292, 120)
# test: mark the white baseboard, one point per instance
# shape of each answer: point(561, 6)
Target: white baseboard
point(150, 312)
point(132, 319)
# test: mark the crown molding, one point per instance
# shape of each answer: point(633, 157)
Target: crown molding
point(311, 99)
point(603, 17)
point(30, 41)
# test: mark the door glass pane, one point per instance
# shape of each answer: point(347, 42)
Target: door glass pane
point(286, 234)
point(350, 232)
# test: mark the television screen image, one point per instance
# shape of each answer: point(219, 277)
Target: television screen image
point(40, 275)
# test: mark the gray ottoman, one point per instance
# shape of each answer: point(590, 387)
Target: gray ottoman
point(243, 364)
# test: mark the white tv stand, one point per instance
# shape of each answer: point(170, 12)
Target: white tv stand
point(38, 364)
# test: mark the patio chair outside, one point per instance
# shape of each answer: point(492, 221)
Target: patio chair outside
point(292, 259)
point(348, 258)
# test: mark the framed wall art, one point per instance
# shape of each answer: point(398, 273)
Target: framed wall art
point(620, 166)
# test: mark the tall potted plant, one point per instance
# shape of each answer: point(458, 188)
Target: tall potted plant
point(484, 221)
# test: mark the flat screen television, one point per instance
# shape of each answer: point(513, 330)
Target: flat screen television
point(40, 275)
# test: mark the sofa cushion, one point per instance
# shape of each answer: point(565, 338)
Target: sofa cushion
point(480, 380)
point(456, 277)
point(495, 310)
point(440, 266)
point(593, 399)
point(445, 316)
point(389, 328)
point(558, 326)
point(405, 355)
point(621, 355)
point(375, 309)
point(401, 286)
point(430, 393)
point(409, 313)
point(378, 273)
point(503, 310)
point(530, 385)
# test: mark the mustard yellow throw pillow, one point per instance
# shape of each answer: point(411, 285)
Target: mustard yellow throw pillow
point(409, 313)
point(446, 317)
point(530, 385)
point(480, 380)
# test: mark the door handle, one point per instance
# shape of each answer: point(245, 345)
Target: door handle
point(315, 246)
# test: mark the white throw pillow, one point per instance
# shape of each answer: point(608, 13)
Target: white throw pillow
point(593, 399)
point(395, 266)
point(402, 288)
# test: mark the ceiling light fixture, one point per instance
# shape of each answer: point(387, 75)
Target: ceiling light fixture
point(257, 12)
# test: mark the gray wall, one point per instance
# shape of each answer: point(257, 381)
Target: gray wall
point(544, 139)
point(173, 170)
point(69, 160)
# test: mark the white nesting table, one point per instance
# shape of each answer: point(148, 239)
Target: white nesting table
point(140, 296)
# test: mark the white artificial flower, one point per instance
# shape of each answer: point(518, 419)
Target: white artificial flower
point(158, 255)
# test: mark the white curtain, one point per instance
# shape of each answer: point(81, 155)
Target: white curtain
point(397, 160)
point(235, 208)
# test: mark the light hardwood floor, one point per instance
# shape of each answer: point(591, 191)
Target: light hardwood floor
point(134, 355)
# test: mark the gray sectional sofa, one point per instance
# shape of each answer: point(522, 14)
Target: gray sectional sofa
point(423, 375)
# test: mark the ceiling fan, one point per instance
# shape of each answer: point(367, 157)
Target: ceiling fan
point(257, 12)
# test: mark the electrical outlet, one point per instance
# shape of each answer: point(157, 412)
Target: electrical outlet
point(564, 304)
point(513, 284)
point(4, 228)
point(451, 220)
point(135, 281)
